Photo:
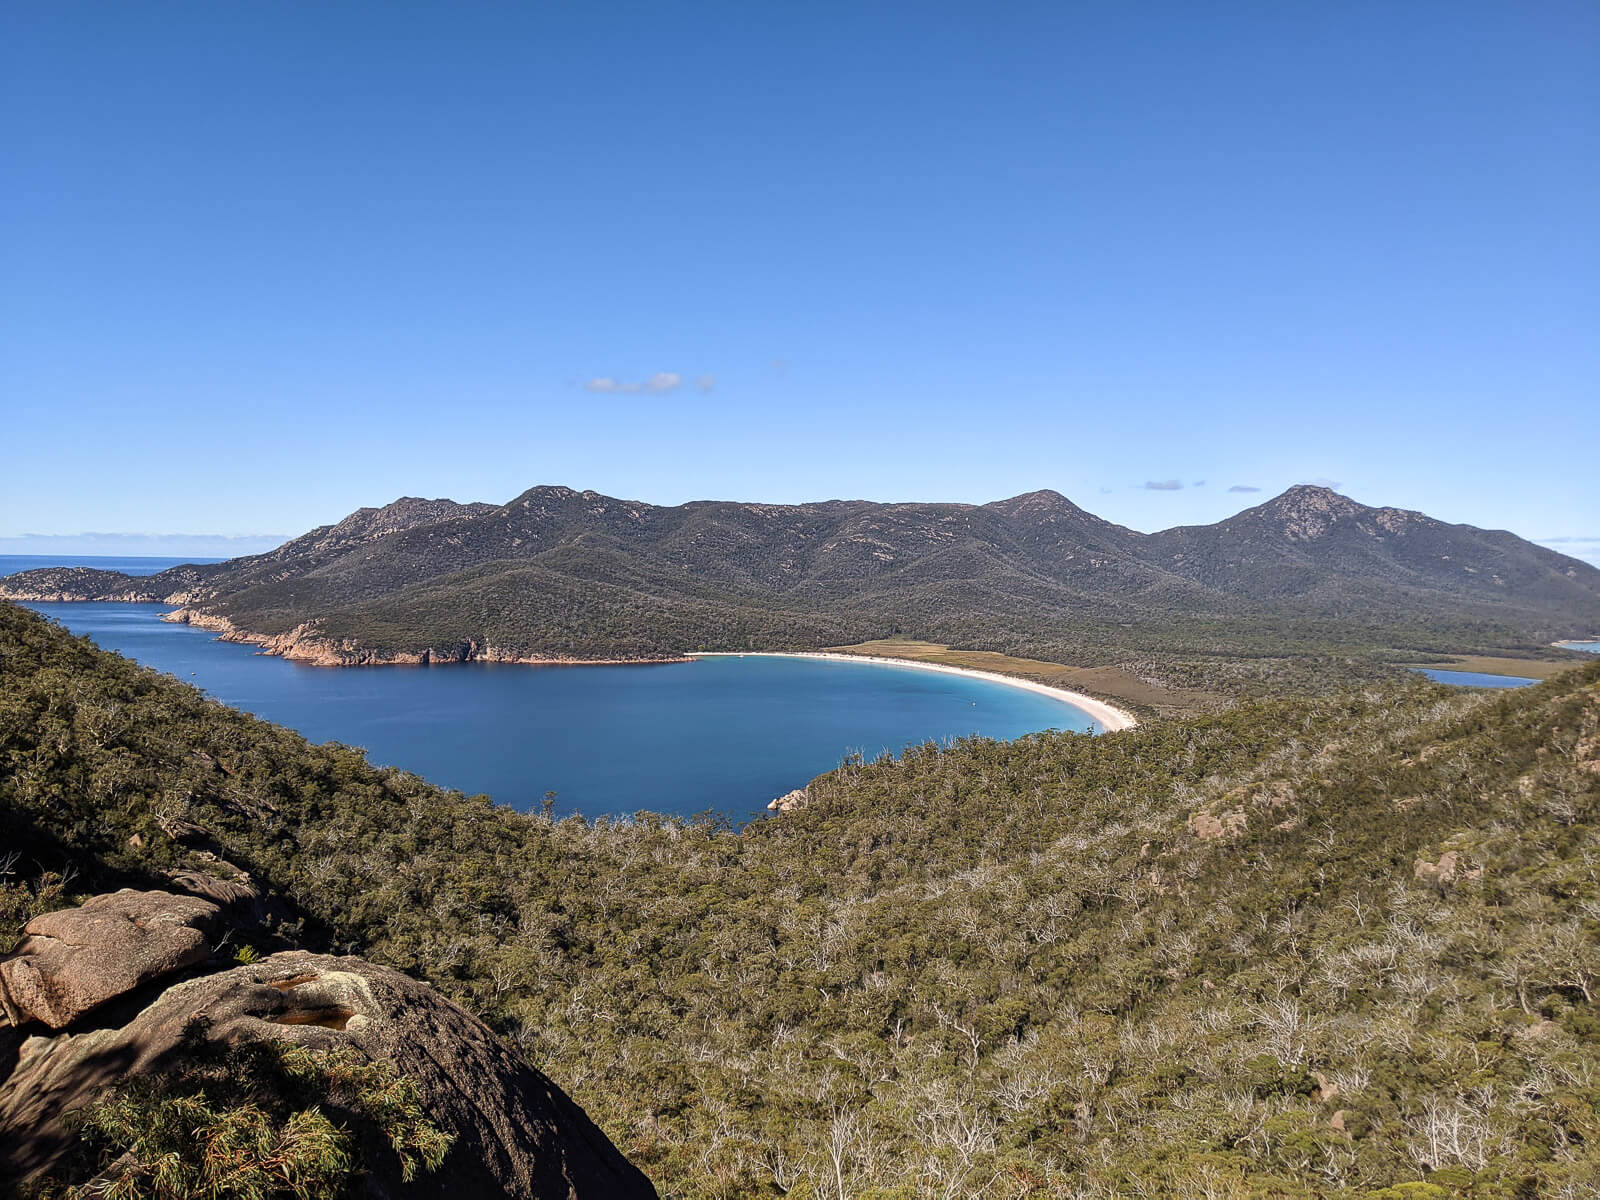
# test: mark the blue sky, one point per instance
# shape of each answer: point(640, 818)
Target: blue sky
point(267, 263)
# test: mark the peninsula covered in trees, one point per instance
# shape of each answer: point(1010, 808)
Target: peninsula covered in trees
point(1309, 586)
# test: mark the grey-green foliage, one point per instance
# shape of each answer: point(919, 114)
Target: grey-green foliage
point(1315, 947)
point(252, 1121)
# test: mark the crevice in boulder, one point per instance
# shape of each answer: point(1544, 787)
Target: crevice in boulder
point(288, 985)
point(323, 1018)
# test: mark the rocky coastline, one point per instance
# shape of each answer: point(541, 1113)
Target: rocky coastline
point(303, 645)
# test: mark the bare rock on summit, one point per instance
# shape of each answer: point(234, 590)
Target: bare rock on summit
point(516, 1133)
point(74, 960)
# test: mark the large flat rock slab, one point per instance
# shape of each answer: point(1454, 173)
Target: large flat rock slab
point(75, 959)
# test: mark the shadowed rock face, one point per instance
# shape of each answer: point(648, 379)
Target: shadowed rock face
point(517, 1134)
point(74, 960)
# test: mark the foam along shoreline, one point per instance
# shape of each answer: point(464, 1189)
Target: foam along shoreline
point(1107, 716)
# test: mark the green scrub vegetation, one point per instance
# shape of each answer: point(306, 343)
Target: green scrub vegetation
point(1346, 945)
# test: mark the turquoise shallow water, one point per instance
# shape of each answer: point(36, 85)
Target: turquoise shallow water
point(719, 734)
point(1586, 647)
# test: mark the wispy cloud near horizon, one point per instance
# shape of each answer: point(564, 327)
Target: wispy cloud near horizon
point(1162, 485)
point(134, 545)
point(1585, 547)
point(1243, 487)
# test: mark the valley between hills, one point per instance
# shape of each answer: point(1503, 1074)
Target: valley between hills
point(1341, 945)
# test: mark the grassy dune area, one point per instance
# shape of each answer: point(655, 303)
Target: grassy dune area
point(1526, 668)
point(1109, 683)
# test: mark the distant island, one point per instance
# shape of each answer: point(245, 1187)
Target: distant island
point(1308, 584)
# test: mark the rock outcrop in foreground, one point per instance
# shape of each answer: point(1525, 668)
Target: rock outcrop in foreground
point(515, 1133)
point(72, 961)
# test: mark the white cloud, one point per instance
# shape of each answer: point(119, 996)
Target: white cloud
point(705, 382)
point(163, 545)
point(1243, 487)
point(1585, 548)
point(659, 383)
point(1162, 485)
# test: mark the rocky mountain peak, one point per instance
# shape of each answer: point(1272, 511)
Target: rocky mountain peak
point(1307, 511)
point(546, 493)
point(1042, 505)
point(369, 524)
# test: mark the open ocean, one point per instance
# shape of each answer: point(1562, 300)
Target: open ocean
point(10, 564)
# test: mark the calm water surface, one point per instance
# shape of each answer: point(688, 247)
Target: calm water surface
point(1474, 679)
point(10, 564)
point(719, 734)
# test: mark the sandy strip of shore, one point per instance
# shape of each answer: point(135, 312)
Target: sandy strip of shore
point(1107, 716)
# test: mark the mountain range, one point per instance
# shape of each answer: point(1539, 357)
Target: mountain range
point(563, 575)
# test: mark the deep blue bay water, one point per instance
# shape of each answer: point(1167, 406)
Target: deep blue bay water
point(717, 734)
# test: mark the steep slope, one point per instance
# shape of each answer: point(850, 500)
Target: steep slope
point(1318, 547)
point(1303, 948)
point(303, 555)
point(561, 574)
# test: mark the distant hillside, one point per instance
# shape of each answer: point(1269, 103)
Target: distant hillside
point(1324, 549)
point(564, 575)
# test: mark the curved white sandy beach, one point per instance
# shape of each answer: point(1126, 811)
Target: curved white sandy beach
point(1107, 716)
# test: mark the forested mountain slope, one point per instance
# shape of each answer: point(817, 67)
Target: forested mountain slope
point(558, 574)
point(1305, 947)
point(1324, 549)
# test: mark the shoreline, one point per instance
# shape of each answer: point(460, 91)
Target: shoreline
point(1109, 717)
point(299, 645)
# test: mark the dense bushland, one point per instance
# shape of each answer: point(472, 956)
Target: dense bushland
point(1303, 947)
point(257, 1119)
